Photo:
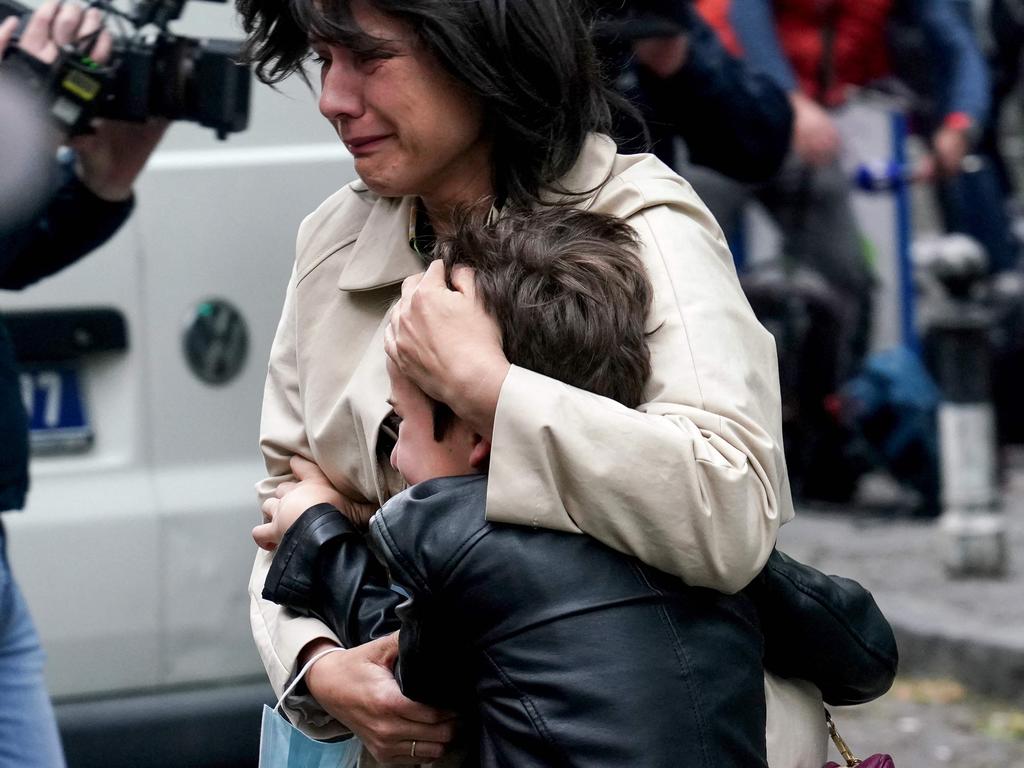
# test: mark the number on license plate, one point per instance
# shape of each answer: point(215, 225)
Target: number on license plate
point(58, 422)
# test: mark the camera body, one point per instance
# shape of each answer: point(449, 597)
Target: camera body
point(179, 78)
point(153, 73)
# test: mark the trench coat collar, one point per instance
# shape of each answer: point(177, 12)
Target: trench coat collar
point(592, 169)
point(382, 255)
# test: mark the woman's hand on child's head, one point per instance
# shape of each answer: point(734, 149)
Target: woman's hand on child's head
point(445, 341)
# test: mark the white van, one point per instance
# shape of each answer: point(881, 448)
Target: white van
point(134, 549)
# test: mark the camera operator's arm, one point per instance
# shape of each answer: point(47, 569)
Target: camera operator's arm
point(73, 223)
point(91, 204)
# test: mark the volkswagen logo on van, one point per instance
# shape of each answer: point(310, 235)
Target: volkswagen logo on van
point(216, 341)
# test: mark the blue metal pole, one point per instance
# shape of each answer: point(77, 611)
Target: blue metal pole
point(901, 192)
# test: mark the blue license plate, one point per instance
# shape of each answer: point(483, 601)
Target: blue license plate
point(58, 422)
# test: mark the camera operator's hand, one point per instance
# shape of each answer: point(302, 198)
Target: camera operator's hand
point(111, 158)
point(53, 25)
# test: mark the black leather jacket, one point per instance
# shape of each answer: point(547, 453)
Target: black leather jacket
point(565, 652)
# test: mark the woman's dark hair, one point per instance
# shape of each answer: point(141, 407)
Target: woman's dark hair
point(530, 62)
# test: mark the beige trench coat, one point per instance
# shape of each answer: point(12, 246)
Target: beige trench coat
point(699, 466)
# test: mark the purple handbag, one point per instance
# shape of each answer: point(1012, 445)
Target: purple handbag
point(875, 761)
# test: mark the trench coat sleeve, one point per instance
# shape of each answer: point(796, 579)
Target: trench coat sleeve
point(279, 633)
point(693, 482)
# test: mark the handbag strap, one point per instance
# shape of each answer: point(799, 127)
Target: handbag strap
point(844, 750)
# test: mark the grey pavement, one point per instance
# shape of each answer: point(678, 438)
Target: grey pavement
point(932, 723)
point(971, 630)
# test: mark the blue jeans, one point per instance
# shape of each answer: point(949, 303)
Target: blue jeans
point(28, 730)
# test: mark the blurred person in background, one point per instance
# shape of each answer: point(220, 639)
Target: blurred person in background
point(999, 26)
point(981, 202)
point(91, 200)
point(688, 86)
point(819, 53)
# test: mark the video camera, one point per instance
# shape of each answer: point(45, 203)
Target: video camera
point(151, 73)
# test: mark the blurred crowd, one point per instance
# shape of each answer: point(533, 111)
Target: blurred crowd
point(770, 81)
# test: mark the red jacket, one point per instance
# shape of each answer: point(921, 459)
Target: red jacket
point(858, 52)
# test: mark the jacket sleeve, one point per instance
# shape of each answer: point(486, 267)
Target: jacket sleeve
point(423, 538)
point(825, 629)
point(74, 223)
point(958, 58)
point(323, 568)
point(280, 634)
point(745, 118)
point(693, 481)
point(754, 23)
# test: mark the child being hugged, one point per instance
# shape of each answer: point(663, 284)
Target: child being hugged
point(556, 649)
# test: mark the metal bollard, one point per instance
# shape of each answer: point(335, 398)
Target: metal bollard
point(972, 527)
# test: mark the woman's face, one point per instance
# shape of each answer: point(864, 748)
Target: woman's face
point(411, 128)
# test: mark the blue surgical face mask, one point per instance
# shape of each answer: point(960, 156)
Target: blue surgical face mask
point(282, 745)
